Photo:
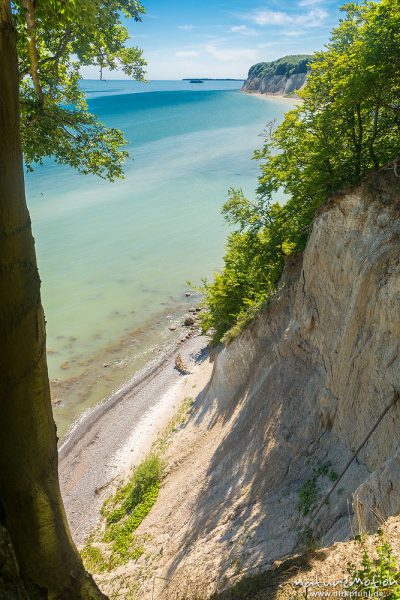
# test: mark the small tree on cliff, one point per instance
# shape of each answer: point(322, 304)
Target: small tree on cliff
point(43, 113)
point(347, 125)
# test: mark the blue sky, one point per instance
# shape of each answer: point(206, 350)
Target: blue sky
point(211, 38)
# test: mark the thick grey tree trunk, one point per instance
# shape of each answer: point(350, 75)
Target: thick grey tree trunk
point(31, 506)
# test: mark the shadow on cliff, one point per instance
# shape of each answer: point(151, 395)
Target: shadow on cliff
point(264, 407)
point(259, 465)
point(265, 454)
point(275, 583)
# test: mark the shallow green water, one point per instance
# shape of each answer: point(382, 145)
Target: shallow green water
point(115, 258)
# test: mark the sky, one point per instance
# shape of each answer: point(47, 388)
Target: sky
point(211, 38)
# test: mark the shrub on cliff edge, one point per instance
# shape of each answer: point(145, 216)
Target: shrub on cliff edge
point(348, 124)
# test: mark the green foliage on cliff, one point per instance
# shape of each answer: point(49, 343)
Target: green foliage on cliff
point(376, 577)
point(123, 513)
point(348, 124)
point(287, 65)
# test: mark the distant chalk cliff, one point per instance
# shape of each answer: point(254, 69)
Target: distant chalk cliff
point(281, 77)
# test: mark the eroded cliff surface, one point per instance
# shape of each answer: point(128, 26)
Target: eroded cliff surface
point(283, 76)
point(289, 402)
point(279, 85)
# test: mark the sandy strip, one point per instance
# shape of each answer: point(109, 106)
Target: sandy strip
point(273, 97)
point(114, 436)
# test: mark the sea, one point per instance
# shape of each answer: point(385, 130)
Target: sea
point(115, 259)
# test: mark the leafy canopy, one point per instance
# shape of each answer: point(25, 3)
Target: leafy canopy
point(347, 124)
point(55, 38)
point(287, 65)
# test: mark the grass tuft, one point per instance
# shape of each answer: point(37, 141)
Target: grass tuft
point(308, 495)
point(179, 419)
point(94, 559)
point(138, 493)
point(123, 512)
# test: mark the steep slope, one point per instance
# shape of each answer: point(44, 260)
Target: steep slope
point(280, 77)
point(288, 403)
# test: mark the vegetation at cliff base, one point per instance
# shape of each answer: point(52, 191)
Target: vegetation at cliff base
point(117, 543)
point(123, 513)
point(376, 576)
point(347, 125)
point(287, 65)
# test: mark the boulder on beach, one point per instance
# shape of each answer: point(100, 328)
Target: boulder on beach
point(180, 365)
point(189, 321)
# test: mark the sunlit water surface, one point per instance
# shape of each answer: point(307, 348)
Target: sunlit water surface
point(115, 258)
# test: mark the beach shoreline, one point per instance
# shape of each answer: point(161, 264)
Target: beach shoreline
point(272, 96)
point(89, 380)
point(111, 438)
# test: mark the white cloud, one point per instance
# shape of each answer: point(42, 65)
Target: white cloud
point(293, 32)
point(312, 18)
point(243, 30)
point(269, 17)
point(187, 54)
point(231, 54)
point(310, 2)
point(186, 27)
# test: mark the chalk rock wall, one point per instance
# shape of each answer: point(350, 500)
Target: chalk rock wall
point(275, 84)
point(289, 402)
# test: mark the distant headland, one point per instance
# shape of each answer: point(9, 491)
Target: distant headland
point(282, 77)
point(198, 79)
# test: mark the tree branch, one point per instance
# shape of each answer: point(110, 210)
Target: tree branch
point(61, 49)
point(373, 137)
point(30, 6)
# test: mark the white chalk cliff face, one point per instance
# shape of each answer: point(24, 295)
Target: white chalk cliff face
point(281, 85)
point(300, 388)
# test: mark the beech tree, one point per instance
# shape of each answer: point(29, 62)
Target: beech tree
point(43, 112)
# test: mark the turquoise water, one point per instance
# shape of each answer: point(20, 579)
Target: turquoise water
point(115, 258)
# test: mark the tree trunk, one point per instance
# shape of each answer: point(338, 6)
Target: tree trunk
point(11, 585)
point(31, 505)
